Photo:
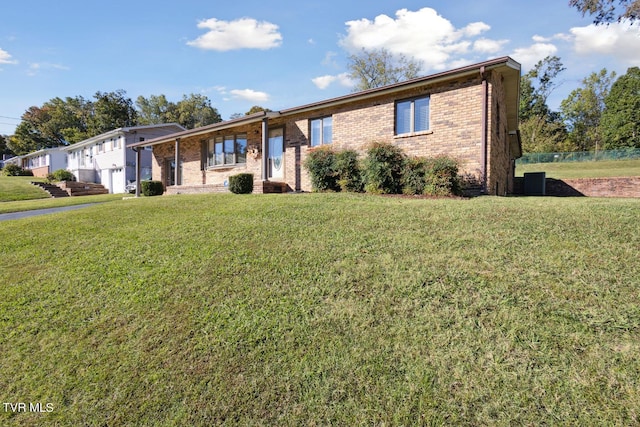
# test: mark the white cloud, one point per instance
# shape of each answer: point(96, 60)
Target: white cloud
point(36, 67)
point(620, 40)
point(529, 56)
point(324, 82)
point(423, 35)
point(250, 95)
point(243, 33)
point(5, 58)
point(489, 46)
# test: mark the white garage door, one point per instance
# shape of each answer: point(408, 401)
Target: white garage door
point(117, 181)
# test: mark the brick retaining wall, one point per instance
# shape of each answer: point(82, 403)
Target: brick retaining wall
point(589, 187)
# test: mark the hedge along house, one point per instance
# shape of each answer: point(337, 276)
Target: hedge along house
point(470, 113)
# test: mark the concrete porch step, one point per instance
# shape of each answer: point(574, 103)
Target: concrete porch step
point(270, 187)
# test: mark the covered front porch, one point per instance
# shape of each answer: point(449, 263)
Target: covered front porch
point(202, 160)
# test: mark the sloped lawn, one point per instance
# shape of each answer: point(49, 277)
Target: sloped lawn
point(323, 310)
point(14, 188)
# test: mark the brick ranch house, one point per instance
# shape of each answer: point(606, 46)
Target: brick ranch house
point(470, 113)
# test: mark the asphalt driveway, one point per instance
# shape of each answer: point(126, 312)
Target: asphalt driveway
point(27, 214)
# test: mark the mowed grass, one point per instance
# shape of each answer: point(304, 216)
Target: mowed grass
point(568, 170)
point(323, 309)
point(14, 188)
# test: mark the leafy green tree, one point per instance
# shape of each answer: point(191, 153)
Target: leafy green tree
point(156, 110)
point(621, 117)
point(4, 149)
point(606, 11)
point(111, 110)
point(256, 109)
point(583, 108)
point(194, 111)
point(31, 134)
point(540, 128)
point(375, 68)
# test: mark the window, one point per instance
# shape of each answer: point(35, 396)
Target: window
point(228, 150)
point(412, 115)
point(321, 131)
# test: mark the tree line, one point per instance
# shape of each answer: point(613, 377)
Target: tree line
point(72, 119)
point(602, 113)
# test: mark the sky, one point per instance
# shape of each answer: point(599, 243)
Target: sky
point(278, 54)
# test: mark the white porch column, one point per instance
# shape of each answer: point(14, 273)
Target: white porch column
point(177, 160)
point(265, 147)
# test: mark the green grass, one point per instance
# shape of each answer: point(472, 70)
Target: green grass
point(17, 195)
point(14, 188)
point(324, 310)
point(610, 168)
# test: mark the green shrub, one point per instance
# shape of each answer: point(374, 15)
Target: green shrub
point(15, 170)
point(382, 169)
point(61, 175)
point(152, 188)
point(348, 169)
point(413, 175)
point(241, 183)
point(442, 177)
point(321, 165)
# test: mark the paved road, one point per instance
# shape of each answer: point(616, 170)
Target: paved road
point(27, 214)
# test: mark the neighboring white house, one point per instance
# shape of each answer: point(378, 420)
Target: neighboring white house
point(107, 159)
point(41, 162)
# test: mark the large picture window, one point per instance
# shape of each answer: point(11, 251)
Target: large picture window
point(412, 115)
point(321, 131)
point(227, 150)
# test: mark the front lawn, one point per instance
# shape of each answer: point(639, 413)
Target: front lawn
point(14, 188)
point(321, 309)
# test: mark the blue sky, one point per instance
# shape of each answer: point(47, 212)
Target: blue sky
point(277, 54)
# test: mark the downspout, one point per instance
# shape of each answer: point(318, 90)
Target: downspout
point(485, 128)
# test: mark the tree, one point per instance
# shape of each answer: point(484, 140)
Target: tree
point(379, 67)
point(111, 110)
point(156, 110)
point(607, 11)
point(540, 128)
point(582, 110)
point(196, 111)
point(621, 117)
point(256, 109)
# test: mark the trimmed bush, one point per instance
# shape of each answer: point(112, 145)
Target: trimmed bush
point(348, 169)
point(413, 176)
point(321, 165)
point(442, 177)
point(61, 175)
point(241, 183)
point(383, 168)
point(15, 170)
point(152, 188)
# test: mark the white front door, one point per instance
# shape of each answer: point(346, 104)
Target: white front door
point(276, 154)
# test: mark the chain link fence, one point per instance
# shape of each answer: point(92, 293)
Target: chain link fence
point(580, 156)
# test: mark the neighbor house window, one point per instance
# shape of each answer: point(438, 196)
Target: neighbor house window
point(228, 150)
point(412, 115)
point(321, 131)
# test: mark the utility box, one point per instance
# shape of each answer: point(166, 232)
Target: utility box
point(535, 184)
